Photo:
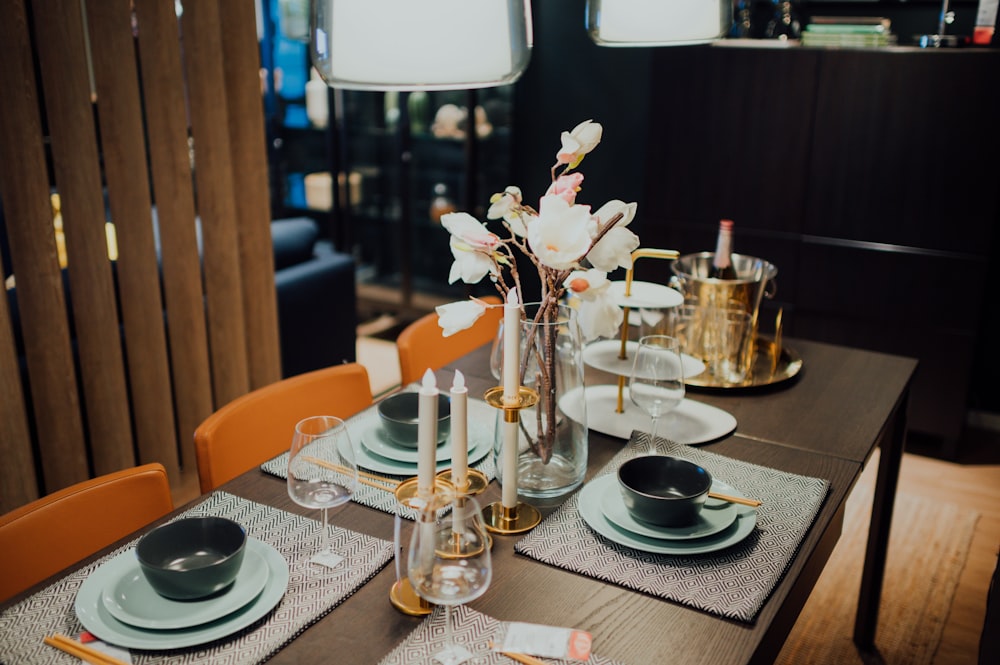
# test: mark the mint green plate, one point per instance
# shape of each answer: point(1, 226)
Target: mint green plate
point(95, 618)
point(131, 599)
point(715, 516)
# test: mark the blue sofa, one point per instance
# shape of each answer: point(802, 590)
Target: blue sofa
point(317, 306)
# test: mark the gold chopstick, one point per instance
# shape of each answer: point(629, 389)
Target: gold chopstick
point(520, 657)
point(82, 651)
point(365, 478)
point(735, 499)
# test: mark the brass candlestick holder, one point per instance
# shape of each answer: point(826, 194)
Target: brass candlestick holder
point(475, 482)
point(521, 516)
point(401, 594)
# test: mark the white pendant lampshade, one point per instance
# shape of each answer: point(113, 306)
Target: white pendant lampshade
point(657, 22)
point(420, 44)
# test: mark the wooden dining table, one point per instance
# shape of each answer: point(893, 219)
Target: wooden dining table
point(824, 423)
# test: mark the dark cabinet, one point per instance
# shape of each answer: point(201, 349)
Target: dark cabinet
point(869, 177)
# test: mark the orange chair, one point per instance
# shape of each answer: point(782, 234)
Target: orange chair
point(41, 538)
point(257, 426)
point(421, 345)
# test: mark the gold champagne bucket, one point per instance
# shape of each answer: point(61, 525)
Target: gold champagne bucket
point(718, 322)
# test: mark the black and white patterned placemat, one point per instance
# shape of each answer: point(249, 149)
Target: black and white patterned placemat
point(481, 428)
point(472, 630)
point(307, 598)
point(734, 582)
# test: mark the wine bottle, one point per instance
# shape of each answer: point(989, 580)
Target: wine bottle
point(722, 262)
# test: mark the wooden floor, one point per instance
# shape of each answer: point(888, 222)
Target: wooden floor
point(973, 482)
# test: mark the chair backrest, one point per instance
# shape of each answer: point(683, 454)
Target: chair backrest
point(421, 345)
point(120, 105)
point(42, 537)
point(257, 426)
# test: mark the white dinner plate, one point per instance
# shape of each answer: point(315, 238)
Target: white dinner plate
point(589, 504)
point(377, 441)
point(691, 422)
point(96, 619)
point(715, 516)
point(131, 599)
point(604, 355)
point(480, 446)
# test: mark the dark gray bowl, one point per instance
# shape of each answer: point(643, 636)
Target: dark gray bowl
point(399, 414)
point(662, 490)
point(192, 557)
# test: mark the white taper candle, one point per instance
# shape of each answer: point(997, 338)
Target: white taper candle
point(459, 430)
point(511, 392)
point(427, 415)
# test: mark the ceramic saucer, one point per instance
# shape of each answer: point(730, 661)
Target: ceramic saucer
point(95, 618)
point(375, 439)
point(589, 505)
point(715, 516)
point(480, 447)
point(132, 600)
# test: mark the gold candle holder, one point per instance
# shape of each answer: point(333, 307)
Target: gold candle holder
point(520, 517)
point(475, 482)
point(401, 594)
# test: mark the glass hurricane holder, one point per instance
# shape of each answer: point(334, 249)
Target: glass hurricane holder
point(402, 595)
point(552, 447)
point(426, 45)
point(449, 563)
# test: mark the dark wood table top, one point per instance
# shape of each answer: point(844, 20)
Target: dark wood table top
point(822, 424)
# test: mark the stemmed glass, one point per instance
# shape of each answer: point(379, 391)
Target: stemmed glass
point(323, 474)
point(449, 563)
point(656, 384)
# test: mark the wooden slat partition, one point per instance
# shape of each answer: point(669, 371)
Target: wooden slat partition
point(117, 82)
point(44, 326)
point(179, 324)
point(60, 42)
point(249, 150)
point(167, 131)
point(17, 475)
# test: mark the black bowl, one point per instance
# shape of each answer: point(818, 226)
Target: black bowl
point(192, 557)
point(663, 490)
point(399, 414)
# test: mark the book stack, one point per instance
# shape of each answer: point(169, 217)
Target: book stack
point(848, 31)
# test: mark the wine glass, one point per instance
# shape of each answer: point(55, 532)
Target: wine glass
point(449, 563)
point(323, 474)
point(656, 384)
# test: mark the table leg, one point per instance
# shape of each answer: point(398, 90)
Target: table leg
point(891, 444)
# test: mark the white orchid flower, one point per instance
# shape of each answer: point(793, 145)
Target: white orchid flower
point(615, 248)
point(587, 285)
point(506, 205)
point(600, 317)
point(579, 142)
point(558, 236)
point(458, 316)
point(472, 246)
point(502, 203)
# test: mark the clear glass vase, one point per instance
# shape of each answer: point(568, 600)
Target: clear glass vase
point(552, 457)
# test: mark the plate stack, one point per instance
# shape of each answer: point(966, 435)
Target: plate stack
point(379, 453)
point(118, 605)
point(719, 525)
